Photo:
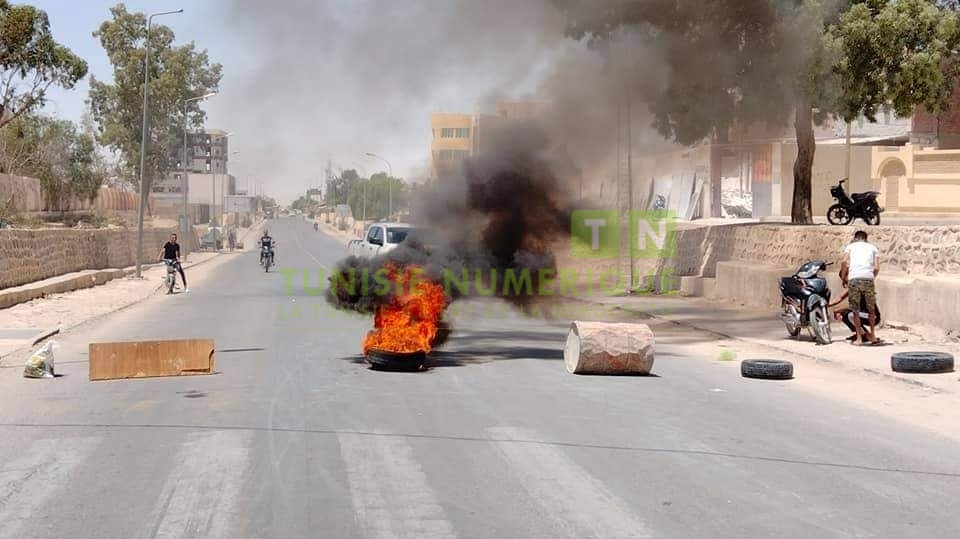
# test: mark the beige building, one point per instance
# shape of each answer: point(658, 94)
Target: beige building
point(451, 142)
point(759, 178)
point(457, 136)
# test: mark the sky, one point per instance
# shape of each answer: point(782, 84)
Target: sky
point(307, 81)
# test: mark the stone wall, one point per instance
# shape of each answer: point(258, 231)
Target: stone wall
point(913, 250)
point(904, 250)
point(27, 256)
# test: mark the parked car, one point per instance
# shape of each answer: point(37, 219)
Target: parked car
point(212, 239)
point(382, 238)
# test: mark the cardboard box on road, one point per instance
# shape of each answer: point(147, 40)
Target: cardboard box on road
point(148, 359)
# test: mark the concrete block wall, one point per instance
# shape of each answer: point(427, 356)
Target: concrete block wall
point(919, 279)
point(28, 256)
point(911, 250)
point(904, 299)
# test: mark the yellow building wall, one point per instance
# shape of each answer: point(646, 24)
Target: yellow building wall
point(829, 165)
point(441, 144)
point(912, 180)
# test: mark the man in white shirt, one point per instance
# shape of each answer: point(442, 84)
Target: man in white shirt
point(860, 266)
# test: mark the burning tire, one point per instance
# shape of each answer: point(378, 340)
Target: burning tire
point(396, 361)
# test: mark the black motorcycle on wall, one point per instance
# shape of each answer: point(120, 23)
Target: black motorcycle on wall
point(856, 206)
point(805, 297)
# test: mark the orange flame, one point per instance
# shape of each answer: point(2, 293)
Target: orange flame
point(409, 323)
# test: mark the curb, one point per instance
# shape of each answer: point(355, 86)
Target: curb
point(89, 280)
point(833, 363)
point(46, 334)
point(127, 272)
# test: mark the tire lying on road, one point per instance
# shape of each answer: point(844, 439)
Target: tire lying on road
point(921, 362)
point(766, 369)
point(396, 361)
point(608, 348)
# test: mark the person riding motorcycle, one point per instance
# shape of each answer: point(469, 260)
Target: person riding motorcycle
point(267, 242)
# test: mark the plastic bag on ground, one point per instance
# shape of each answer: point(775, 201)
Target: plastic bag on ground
point(40, 363)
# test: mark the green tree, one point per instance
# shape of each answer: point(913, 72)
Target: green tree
point(740, 61)
point(177, 73)
point(303, 203)
point(31, 61)
point(54, 151)
point(899, 53)
point(377, 190)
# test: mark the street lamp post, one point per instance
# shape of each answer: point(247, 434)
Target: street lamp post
point(143, 140)
point(213, 182)
point(223, 189)
point(366, 180)
point(185, 185)
point(389, 185)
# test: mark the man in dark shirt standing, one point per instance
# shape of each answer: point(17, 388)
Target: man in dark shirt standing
point(171, 251)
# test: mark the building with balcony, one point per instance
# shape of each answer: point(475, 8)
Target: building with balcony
point(208, 177)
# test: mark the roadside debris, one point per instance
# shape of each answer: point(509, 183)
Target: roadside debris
point(922, 362)
point(766, 369)
point(40, 363)
point(608, 348)
point(149, 359)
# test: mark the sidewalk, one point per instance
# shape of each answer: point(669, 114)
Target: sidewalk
point(345, 236)
point(21, 325)
point(764, 328)
point(63, 305)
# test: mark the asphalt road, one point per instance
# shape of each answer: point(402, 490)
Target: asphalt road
point(295, 437)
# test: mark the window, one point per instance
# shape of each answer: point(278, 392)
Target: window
point(397, 235)
point(376, 236)
point(453, 155)
point(455, 132)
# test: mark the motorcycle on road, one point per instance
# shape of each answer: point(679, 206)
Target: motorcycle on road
point(266, 257)
point(170, 280)
point(856, 206)
point(805, 296)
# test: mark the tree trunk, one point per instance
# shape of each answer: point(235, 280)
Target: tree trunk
point(801, 212)
point(608, 348)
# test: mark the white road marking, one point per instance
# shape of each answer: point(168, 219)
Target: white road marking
point(390, 494)
point(565, 491)
point(31, 480)
point(323, 266)
point(200, 496)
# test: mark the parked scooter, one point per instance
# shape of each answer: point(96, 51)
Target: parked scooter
point(856, 206)
point(804, 300)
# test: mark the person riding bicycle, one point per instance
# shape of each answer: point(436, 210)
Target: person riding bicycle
point(171, 252)
point(267, 242)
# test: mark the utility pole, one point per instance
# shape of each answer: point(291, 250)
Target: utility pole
point(625, 187)
point(144, 137)
point(849, 152)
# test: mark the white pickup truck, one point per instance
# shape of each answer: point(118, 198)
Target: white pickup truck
point(380, 238)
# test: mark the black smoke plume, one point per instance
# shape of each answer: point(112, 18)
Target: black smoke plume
point(498, 217)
